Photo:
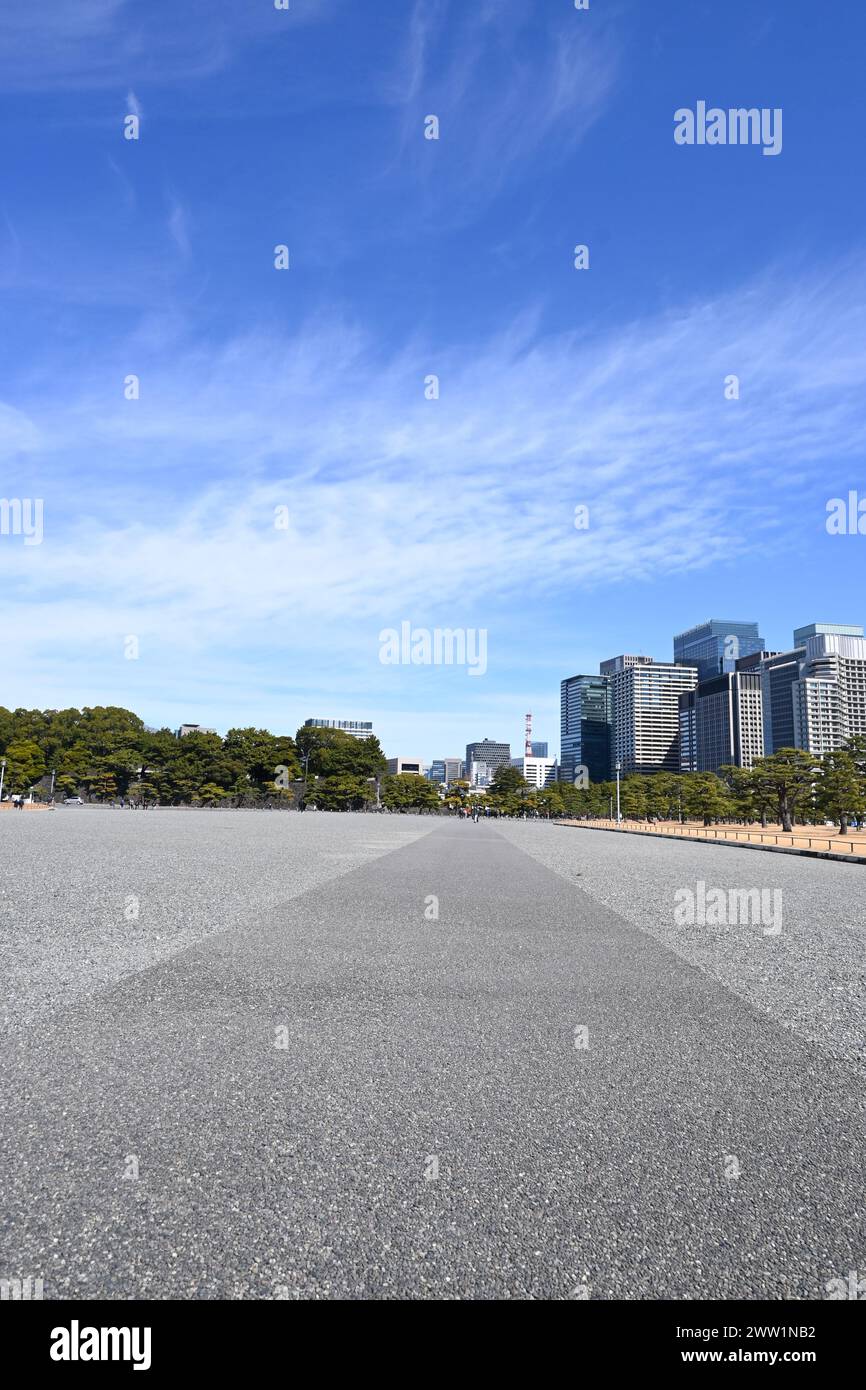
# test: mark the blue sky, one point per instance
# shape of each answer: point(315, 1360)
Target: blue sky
point(409, 257)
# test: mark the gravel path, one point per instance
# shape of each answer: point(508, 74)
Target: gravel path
point(89, 895)
point(447, 1072)
point(811, 977)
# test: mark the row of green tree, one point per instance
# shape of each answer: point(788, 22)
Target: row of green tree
point(107, 753)
point(786, 787)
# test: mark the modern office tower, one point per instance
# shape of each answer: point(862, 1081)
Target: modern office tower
point(539, 750)
point(728, 722)
point(358, 728)
point(446, 770)
point(688, 731)
point(398, 765)
point(714, 647)
point(829, 697)
point(585, 727)
point(538, 772)
point(778, 672)
point(802, 634)
point(645, 712)
point(487, 751)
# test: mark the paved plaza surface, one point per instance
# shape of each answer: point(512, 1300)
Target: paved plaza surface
point(259, 1055)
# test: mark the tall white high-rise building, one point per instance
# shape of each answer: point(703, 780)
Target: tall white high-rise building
point(645, 724)
point(830, 695)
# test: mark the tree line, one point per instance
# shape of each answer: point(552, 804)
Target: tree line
point(107, 753)
point(786, 787)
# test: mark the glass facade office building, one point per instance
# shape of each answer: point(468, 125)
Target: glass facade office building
point(715, 647)
point(779, 673)
point(585, 727)
point(729, 727)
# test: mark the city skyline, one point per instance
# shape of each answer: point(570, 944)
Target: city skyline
point(362, 724)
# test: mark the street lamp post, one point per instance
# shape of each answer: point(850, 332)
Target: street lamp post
point(618, 771)
point(2, 775)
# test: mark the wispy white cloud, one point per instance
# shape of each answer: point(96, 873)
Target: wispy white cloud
point(92, 44)
point(401, 506)
point(506, 82)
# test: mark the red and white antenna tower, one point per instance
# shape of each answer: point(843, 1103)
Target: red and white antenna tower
point(528, 747)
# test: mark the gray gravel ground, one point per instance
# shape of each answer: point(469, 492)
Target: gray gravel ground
point(67, 877)
point(811, 977)
point(335, 1093)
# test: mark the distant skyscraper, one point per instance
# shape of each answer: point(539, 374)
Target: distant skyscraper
point(802, 634)
point(714, 647)
point(829, 697)
point(488, 751)
point(728, 724)
point(539, 750)
point(778, 672)
point(688, 715)
point(585, 727)
point(645, 712)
